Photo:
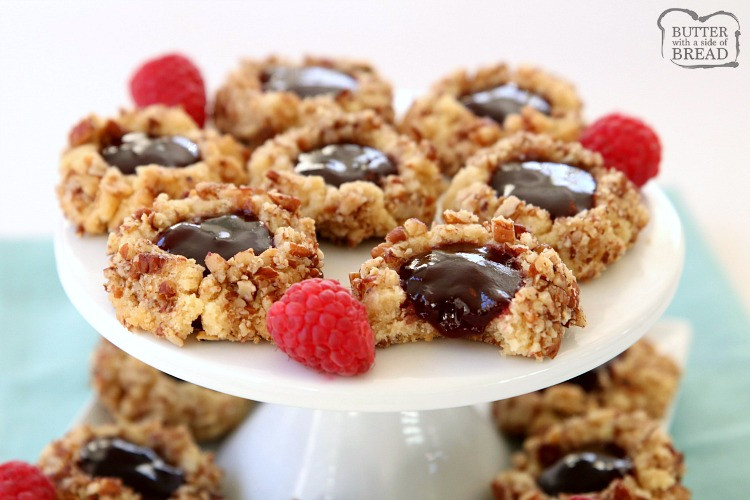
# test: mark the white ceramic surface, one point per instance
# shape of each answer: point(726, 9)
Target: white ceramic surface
point(620, 307)
point(281, 452)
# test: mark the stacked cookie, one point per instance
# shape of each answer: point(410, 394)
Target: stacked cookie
point(598, 435)
point(132, 391)
point(130, 461)
point(150, 449)
point(603, 454)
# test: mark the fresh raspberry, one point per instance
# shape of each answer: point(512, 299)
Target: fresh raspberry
point(627, 144)
point(21, 481)
point(172, 80)
point(319, 324)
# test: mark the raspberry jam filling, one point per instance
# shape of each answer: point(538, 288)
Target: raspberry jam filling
point(226, 235)
point(460, 288)
point(563, 190)
point(136, 149)
point(308, 81)
point(139, 468)
point(583, 472)
point(504, 100)
point(340, 163)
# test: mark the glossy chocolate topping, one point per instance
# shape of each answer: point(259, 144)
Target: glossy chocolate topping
point(308, 81)
point(584, 472)
point(226, 235)
point(460, 288)
point(499, 102)
point(340, 163)
point(138, 149)
point(562, 190)
point(138, 467)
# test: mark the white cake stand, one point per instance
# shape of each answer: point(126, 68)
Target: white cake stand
point(339, 446)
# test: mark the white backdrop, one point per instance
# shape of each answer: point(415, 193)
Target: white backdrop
point(61, 60)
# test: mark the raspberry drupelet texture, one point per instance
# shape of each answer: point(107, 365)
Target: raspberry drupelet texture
point(22, 481)
point(627, 144)
point(319, 324)
point(172, 80)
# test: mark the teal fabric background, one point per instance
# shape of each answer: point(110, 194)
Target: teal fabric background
point(45, 346)
point(44, 351)
point(712, 419)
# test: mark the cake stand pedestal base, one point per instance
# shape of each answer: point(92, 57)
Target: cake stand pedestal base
point(285, 453)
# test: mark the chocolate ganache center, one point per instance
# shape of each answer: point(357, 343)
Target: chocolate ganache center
point(226, 235)
point(136, 149)
point(307, 81)
point(340, 163)
point(563, 190)
point(140, 468)
point(583, 472)
point(460, 288)
point(504, 100)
